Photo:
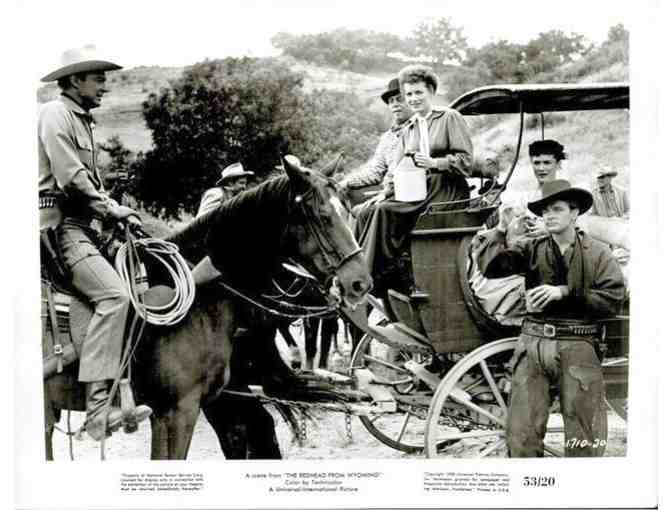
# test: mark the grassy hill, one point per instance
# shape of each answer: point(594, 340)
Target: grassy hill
point(589, 137)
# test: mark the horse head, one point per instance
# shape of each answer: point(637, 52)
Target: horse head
point(323, 239)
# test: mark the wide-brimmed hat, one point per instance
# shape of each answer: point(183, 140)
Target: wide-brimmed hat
point(392, 90)
point(605, 171)
point(81, 60)
point(561, 189)
point(233, 171)
point(292, 159)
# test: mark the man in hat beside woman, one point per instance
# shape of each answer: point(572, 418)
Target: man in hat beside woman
point(233, 180)
point(377, 170)
point(436, 140)
point(73, 203)
point(571, 280)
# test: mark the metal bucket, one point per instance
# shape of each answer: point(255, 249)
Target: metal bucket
point(410, 182)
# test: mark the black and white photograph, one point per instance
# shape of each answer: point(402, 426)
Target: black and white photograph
point(314, 252)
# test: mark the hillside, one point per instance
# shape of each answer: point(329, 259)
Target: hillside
point(589, 137)
point(121, 111)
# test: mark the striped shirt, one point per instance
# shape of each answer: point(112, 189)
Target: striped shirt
point(610, 203)
point(383, 159)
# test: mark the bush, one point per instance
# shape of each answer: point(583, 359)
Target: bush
point(355, 50)
point(247, 110)
point(115, 172)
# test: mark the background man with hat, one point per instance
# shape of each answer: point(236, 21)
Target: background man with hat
point(571, 280)
point(73, 203)
point(609, 201)
point(376, 171)
point(233, 180)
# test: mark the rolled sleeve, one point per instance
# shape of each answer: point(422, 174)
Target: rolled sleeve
point(377, 168)
point(494, 258)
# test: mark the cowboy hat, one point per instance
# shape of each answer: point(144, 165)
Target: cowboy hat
point(392, 90)
point(292, 159)
point(605, 171)
point(560, 189)
point(233, 171)
point(81, 60)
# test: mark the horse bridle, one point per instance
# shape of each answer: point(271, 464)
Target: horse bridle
point(332, 255)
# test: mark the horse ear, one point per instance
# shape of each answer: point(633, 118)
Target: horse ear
point(332, 166)
point(298, 175)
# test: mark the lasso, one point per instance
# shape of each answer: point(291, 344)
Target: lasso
point(131, 269)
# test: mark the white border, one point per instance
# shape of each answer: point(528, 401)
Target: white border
point(628, 482)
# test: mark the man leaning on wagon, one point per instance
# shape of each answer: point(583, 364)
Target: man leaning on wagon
point(571, 280)
point(75, 202)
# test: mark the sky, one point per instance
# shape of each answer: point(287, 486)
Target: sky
point(169, 33)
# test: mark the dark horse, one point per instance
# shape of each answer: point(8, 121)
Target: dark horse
point(180, 370)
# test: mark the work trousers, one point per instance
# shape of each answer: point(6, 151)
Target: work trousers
point(95, 278)
point(572, 365)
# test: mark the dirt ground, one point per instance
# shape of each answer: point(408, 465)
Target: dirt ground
point(326, 436)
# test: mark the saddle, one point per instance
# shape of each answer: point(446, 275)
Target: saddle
point(65, 315)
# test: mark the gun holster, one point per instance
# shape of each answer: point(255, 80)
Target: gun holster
point(51, 255)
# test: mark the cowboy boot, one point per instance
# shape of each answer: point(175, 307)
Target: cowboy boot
point(100, 423)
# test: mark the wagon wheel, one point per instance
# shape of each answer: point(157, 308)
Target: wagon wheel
point(474, 395)
point(403, 430)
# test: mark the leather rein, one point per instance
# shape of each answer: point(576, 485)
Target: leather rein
point(331, 253)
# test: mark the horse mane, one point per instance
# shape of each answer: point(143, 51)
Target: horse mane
point(243, 235)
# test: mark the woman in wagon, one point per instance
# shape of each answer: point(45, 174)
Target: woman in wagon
point(71, 188)
point(572, 280)
point(437, 140)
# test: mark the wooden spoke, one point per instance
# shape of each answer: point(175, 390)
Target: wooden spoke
point(493, 387)
point(492, 448)
point(459, 398)
point(403, 427)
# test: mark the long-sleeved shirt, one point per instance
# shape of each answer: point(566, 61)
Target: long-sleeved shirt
point(67, 160)
point(212, 199)
point(588, 268)
point(612, 202)
point(383, 159)
point(449, 142)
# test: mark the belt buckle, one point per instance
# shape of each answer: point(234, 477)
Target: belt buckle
point(549, 330)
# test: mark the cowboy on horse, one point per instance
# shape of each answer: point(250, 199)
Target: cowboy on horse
point(73, 205)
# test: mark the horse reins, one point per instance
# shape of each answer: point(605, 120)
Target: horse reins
point(332, 255)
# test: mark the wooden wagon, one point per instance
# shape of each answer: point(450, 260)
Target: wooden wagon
point(442, 359)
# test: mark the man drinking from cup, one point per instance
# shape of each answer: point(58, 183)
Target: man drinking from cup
point(571, 280)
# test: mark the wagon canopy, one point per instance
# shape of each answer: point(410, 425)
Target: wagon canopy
point(537, 98)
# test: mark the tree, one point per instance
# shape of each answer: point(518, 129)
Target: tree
point(340, 122)
point(354, 50)
point(439, 41)
point(217, 113)
point(504, 61)
point(554, 48)
point(247, 110)
point(115, 171)
point(618, 33)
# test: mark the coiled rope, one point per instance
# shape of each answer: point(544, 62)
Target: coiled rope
point(129, 266)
